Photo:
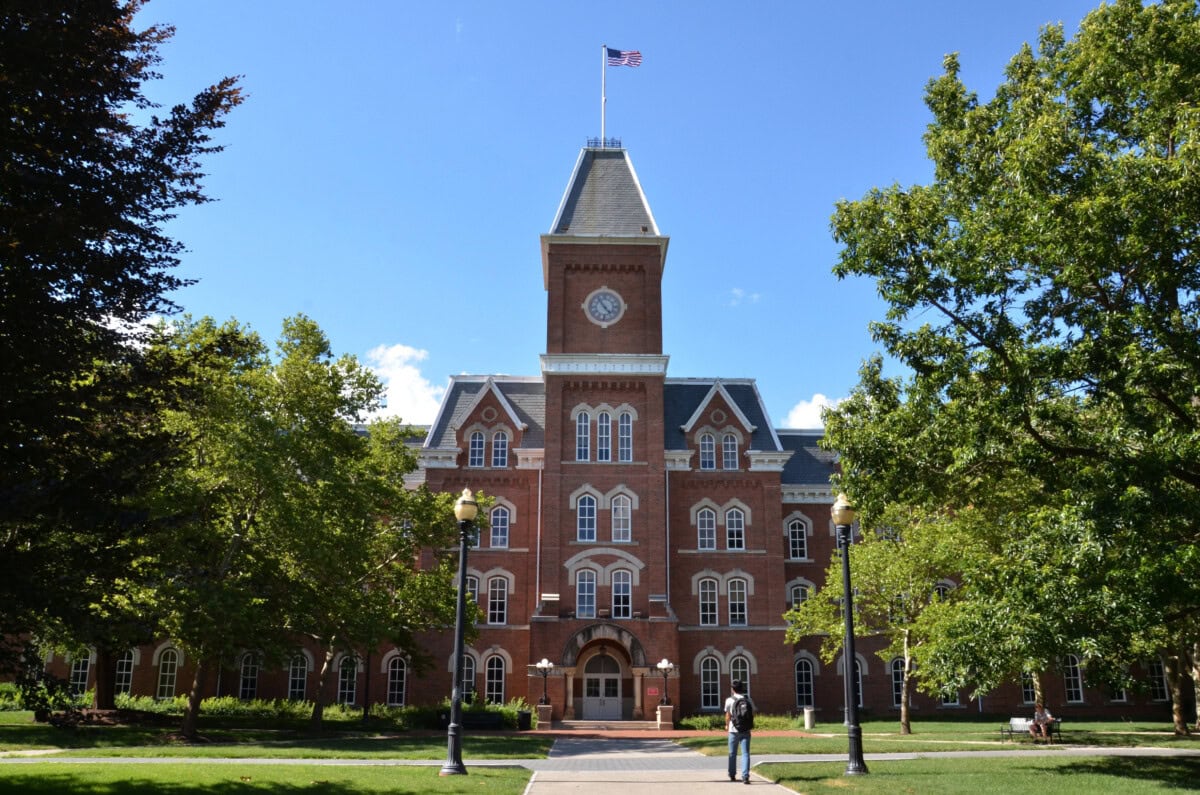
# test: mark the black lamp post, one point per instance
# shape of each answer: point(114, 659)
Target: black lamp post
point(464, 511)
point(843, 518)
point(665, 667)
point(544, 667)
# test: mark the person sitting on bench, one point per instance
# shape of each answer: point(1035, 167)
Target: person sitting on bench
point(1042, 721)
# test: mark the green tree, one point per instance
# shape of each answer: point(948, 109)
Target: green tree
point(1044, 293)
point(88, 177)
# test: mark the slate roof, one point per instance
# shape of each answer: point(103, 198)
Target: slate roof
point(525, 394)
point(604, 198)
point(809, 464)
point(682, 396)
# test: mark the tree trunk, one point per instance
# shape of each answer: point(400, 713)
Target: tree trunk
point(1038, 698)
point(1196, 681)
point(905, 687)
point(314, 723)
point(191, 714)
point(1175, 677)
point(105, 696)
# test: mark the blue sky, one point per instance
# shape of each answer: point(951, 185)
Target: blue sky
point(395, 162)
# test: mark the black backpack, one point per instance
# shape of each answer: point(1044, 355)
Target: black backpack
point(743, 714)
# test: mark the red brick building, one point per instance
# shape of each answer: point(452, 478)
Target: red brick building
point(637, 518)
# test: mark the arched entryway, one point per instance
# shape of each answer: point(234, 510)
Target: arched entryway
point(605, 665)
point(602, 699)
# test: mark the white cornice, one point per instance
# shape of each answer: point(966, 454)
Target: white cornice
point(677, 460)
point(439, 457)
point(818, 493)
point(531, 458)
point(617, 363)
point(769, 460)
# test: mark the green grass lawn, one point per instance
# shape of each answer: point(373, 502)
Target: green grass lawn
point(1036, 774)
point(50, 778)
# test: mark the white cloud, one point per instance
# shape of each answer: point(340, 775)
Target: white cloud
point(737, 296)
point(410, 396)
point(807, 413)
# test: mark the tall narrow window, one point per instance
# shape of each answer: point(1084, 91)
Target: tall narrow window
point(1158, 681)
point(347, 692)
point(248, 682)
point(708, 451)
point(739, 670)
point(500, 450)
point(1072, 679)
point(585, 519)
point(297, 677)
point(124, 683)
point(797, 540)
point(475, 450)
point(495, 679)
point(498, 601)
point(168, 667)
point(499, 522)
point(729, 447)
point(397, 673)
point(897, 681)
point(804, 684)
point(625, 437)
point(604, 437)
point(737, 603)
point(622, 519)
point(582, 437)
point(585, 594)
point(78, 683)
point(706, 529)
point(1028, 693)
point(472, 587)
point(798, 595)
point(622, 594)
point(735, 529)
point(708, 603)
point(710, 684)
point(468, 678)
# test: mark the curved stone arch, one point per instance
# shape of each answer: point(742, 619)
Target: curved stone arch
point(602, 407)
point(705, 574)
point(604, 631)
point(91, 656)
point(585, 559)
point(797, 516)
point(495, 650)
point(585, 565)
point(468, 651)
point(862, 663)
point(617, 491)
point(735, 431)
point(309, 662)
point(705, 653)
point(738, 574)
point(588, 489)
point(582, 408)
point(694, 511)
point(792, 583)
point(703, 429)
point(502, 573)
point(741, 506)
point(391, 655)
point(805, 654)
point(501, 502)
point(162, 647)
point(625, 408)
point(337, 661)
point(742, 651)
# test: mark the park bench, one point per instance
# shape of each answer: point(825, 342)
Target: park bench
point(1018, 727)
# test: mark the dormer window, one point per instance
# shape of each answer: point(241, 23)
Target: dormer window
point(475, 450)
point(708, 452)
point(729, 451)
point(500, 450)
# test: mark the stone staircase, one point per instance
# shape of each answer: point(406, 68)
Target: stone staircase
point(607, 725)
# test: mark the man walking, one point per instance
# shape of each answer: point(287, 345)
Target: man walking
point(739, 719)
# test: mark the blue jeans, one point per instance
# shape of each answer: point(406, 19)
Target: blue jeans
point(742, 739)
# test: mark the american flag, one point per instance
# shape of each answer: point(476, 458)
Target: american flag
point(624, 57)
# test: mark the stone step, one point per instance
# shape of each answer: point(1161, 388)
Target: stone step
point(607, 725)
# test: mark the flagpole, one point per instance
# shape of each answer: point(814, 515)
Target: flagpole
point(603, 88)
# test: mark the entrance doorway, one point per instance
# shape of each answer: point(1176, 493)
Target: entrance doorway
point(602, 689)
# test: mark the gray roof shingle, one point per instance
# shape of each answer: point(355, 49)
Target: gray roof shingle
point(604, 198)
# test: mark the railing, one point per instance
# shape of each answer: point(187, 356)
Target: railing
point(604, 143)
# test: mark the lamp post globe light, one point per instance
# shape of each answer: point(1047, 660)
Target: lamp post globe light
point(843, 518)
point(665, 667)
point(465, 509)
point(544, 667)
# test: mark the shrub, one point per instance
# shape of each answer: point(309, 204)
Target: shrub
point(10, 697)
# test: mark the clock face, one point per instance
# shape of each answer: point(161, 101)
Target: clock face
point(604, 306)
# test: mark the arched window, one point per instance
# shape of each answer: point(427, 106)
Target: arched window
point(708, 451)
point(495, 679)
point(798, 595)
point(603, 437)
point(708, 603)
point(497, 600)
point(168, 667)
point(625, 437)
point(582, 437)
point(1028, 693)
point(499, 522)
point(1157, 674)
point(943, 589)
point(248, 682)
point(80, 668)
point(622, 594)
point(468, 678)
point(735, 529)
point(397, 673)
point(706, 529)
point(124, 682)
point(472, 587)
point(804, 684)
point(500, 450)
point(710, 684)
point(622, 519)
point(585, 594)
point(585, 519)
point(737, 603)
point(897, 681)
point(739, 671)
point(475, 449)
point(729, 450)
point(297, 677)
point(1073, 679)
point(347, 692)
point(797, 540)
